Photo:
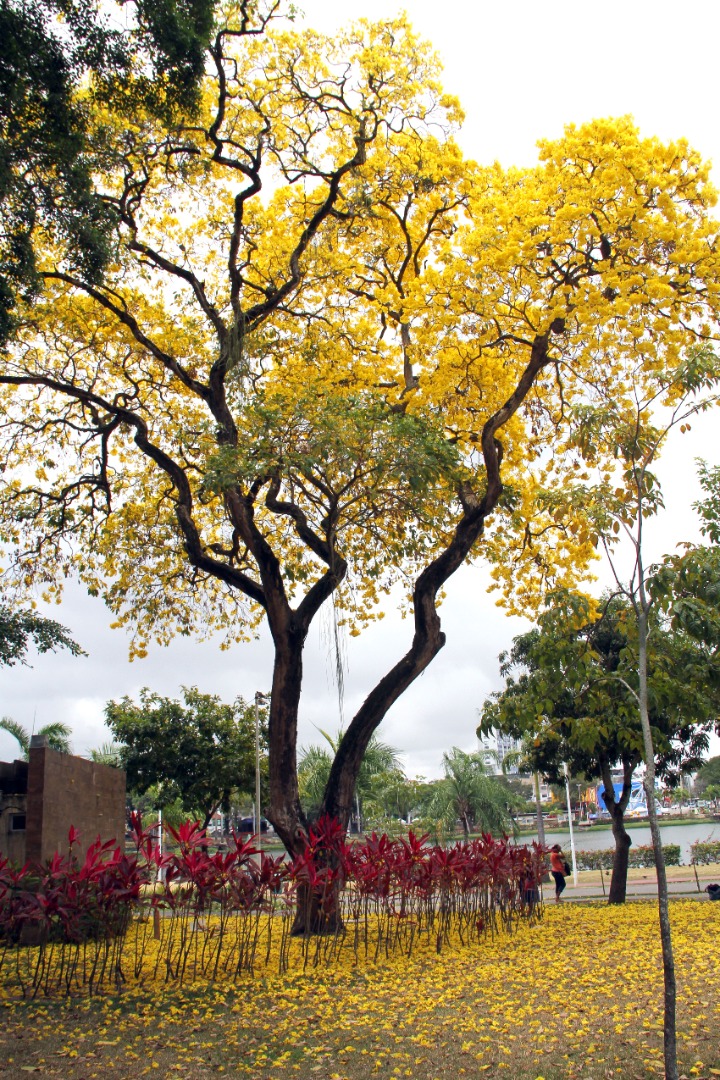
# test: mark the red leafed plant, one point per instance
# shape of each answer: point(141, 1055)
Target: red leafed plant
point(391, 894)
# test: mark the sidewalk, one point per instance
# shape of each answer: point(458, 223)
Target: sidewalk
point(642, 884)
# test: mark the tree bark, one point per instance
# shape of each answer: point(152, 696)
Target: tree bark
point(285, 811)
point(616, 809)
point(621, 858)
point(670, 986)
point(428, 638)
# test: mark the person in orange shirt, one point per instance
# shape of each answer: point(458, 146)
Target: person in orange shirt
point(557, 869)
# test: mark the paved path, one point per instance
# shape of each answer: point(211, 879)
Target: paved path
point(643, 889)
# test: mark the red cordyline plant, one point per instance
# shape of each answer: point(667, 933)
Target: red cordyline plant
point(195, 911)
point(69, 917)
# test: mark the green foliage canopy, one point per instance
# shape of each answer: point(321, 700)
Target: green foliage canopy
point(19, 628)
point(380, 767)
point(57, 733)
point(708, 775)
point(576, 700)
point(467, 793)
point(197, 750)
point(147, 56)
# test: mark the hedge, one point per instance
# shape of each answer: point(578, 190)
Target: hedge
point(704, 853)
point(64, 924)
point(639, 856)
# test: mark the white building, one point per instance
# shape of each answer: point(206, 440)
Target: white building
point(494, 748)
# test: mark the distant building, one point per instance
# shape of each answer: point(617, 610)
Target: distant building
point(494, 749)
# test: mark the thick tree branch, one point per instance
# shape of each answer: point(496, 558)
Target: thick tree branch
point(428, 639)
point(120, 312)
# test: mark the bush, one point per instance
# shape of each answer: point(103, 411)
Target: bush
point(638, 857)
point(62, 926)
point(704, 853)
point(68, 901)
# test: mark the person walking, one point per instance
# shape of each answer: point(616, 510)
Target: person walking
point(557, 869)
point(529, 892)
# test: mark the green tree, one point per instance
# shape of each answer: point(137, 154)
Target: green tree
point(58, 735)
point(196, 750)
point(466, 793)
point(146, 57)
point(395, 799)
point(708, 774)
point(574, 702)
point(19, 628)
point(687, 586)
point(380, 764)
point(109, 753)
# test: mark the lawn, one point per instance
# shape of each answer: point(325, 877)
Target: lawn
point(575, 996)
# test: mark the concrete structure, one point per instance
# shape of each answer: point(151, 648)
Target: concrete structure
point(13, 809)
point(495, 747)
point(41, 798)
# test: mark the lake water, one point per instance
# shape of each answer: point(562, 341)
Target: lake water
point(596, 839)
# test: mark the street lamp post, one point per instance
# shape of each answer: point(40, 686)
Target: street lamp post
point(570, 823)
point(259, 697)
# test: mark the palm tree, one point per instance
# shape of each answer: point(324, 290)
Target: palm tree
point(467, 793)
point(108, 753)
point(314, 770)
point(58, 735)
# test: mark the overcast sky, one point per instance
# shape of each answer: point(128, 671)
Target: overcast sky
point(522, 71)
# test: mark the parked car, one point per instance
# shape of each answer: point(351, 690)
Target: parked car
point(247, 825)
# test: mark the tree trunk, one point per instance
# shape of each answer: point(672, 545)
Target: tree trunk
point(317, 910)
point(621, 858)
point(285, 811)
point(616, 809)
point(670, 988)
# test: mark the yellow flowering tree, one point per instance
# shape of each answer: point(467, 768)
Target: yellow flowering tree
point(331, 355)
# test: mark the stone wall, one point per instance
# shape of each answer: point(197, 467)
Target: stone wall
point(13, 809)
point(63, 790)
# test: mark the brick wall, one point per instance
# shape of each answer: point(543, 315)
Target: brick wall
point(13, 806)
point(64, 790)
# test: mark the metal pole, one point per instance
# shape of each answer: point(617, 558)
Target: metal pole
point(570, 823)
point(256, 816)
point(538, 811)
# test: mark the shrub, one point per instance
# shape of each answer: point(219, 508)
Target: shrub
point(703, 853)
point(391, 893)
point(638, 857)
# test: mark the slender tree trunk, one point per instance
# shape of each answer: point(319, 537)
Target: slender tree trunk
point(670, 990)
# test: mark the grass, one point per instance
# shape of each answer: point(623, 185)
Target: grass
point(576, 996)
point(643, 874)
